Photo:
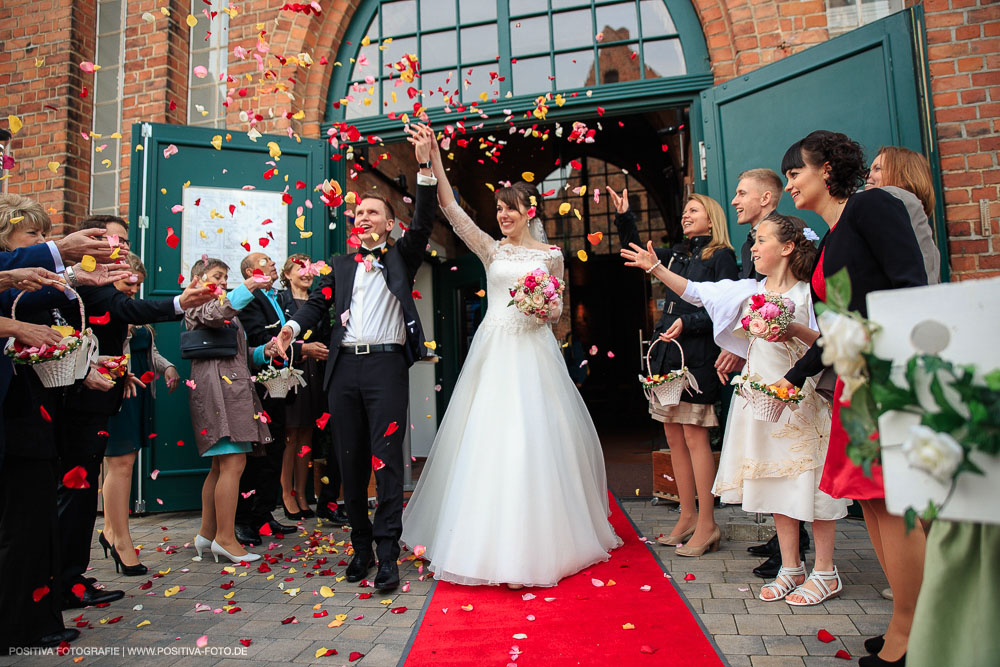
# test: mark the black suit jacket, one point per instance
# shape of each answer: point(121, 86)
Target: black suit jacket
point(400, 261)
point(875, 242)
point(122, 311)
point(261, 322)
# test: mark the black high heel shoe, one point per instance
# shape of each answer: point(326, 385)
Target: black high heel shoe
point(291, 516)
point(875, 661)
point(104, 543)
point(128, 570)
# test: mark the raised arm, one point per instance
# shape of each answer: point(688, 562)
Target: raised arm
point(648, 262)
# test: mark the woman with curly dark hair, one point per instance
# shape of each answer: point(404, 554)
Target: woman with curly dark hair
point(871, 236)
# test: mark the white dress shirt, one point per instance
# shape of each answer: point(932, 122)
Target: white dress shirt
point(376, 316)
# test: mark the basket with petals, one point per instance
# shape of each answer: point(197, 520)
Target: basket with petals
point(667, 389)
point(58, 365)
point(767, 402)
point(279, 381)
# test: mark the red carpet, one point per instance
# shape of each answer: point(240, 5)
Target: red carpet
point(584, 625)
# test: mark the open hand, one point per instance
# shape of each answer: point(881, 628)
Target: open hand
point(673, 331)
point(73, 247)
point(276, 346)
point(103, 274)
point(422, 137)
point(315, 350)
point(257, 282)
point(644, 259)
point(195, 294)
point(133, 385)
point(621, 203)
point(30, 279)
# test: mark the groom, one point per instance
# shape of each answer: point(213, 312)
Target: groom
point(376, 338)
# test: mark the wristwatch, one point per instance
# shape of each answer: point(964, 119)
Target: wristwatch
point(71, 276)
point(424, 165)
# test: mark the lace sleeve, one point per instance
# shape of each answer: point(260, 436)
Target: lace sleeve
point(476, 239)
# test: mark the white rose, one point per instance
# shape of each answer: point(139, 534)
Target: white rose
point(843, 341)
point(936, 453)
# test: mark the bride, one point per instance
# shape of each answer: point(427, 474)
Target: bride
point(514, 489)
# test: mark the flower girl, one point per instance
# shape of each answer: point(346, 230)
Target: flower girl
point(772, 467)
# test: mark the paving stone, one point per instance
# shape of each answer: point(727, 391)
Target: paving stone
point(835, 624)
point(719, 624)
point(784, 645)
point(740, 644)
point(723, 606)
point(871, 625)
point(759, 624)
point(755, 606)
point(730, 591)
point(815, 647)
point(775, 661)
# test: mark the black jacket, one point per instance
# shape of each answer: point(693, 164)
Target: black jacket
point(122, 311)
point(700, 350)
point(261, 322)
point(874, 241)
point(401, 262)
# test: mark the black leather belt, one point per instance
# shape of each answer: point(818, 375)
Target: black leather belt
point(365, 348)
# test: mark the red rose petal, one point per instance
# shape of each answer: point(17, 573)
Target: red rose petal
point(377, 463)
point(146, 586)
point(290, 619)
point(321, 614)
point(647, 649)
point(323, 419)
point(79, 590)
point(825, 636)
point(76, 478)
point(246, 642)
point(393, 427)
point(397, 610)
point(842, 654)
point(39, 593)
point(172, 239)
point(100, 319)
point(45, 413)
point(147, 377)
point(689, 577)
point(355, 656)
point(115, 619)
point(265, 529)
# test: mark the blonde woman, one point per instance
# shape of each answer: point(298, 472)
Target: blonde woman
point(706, 255)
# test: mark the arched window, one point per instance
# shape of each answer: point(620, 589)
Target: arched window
point(474, 51)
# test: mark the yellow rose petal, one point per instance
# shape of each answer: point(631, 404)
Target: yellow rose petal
point(628, 626)
point(582, 254)
point(53, 167)
point(16, 219)
point(15, 124)
point(88, 263)
point(173, 590)
point(564, 208)
point(191, 20)
point(326, 592)
point(431, 345)
point(143, 623)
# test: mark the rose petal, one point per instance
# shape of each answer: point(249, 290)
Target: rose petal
point(825, 636)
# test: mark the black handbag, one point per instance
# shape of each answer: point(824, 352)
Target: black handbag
point(209, 343)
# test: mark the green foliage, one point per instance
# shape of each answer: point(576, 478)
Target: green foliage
point(838, 291)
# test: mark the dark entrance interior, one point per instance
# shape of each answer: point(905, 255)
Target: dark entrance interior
point(609, 308)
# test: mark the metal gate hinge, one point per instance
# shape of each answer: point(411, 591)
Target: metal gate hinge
point(147, 130)
point(703, 160)
point(143, 222)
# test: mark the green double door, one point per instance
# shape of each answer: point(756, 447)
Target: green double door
point(231, 195)
point(871, 84)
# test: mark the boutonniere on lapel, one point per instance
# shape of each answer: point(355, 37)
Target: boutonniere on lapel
point(370, 258)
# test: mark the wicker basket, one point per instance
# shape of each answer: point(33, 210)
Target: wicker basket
point(61, 372)
point(279, 385)
point(765, 408)
point(668, 393)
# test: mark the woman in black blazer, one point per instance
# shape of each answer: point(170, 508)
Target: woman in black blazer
point(871, 236)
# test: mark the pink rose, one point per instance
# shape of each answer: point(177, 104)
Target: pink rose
point(758, 327)
point(789, 305)
point(555, 281)
point(769, 311)
point(538, 299)
point(775, 329)
point(756, 301)
point(549, 291)
point(519, 297)
point(745, 322)
point(538, 273)
point(529, 282)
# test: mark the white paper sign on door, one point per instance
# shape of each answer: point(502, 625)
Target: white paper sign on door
point(209, 227)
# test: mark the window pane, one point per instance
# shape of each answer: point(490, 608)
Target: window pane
point(204, 96)
point(106, 117)
point(575, 70)
point(357, 109)
point(664, 58)
point(479, 43)
point(478, 10)
point(108, 50)
point(617, 63)
point(437, 14)
point(106, 84)
point(366, 62)
point(402, 103)
point(399, 18)
point(199, 33)
point(394, 53)
point(429, 84)
point(529, 35)
point(110, 152)
point(518, 7)
point(438, 50)
point(103, 193)
point(617, 21)
point(478, 82)
point(656, 19)
point(532, 76)
point(559, 4)
point(110, 17)
point(573, 29)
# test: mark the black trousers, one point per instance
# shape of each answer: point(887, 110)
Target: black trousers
point(262, 474)
point(329, 492)
point(79, 445)
point(368, 393)
point(29, 551)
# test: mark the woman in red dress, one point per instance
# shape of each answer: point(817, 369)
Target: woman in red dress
point(870, 235)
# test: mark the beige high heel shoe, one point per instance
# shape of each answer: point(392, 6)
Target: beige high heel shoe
point(674, 540)
point(700, 549)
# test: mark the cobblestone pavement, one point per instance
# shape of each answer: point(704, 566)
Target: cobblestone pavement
point(723, 593)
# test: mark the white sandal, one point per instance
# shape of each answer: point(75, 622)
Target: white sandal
point(783, 583)
point(812, 598)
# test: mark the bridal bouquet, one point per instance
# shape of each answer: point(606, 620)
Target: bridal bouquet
point(769, 316)
point(535, 293)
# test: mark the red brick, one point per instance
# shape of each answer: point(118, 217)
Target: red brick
point(980, 161)
point(963, 263)
point(968, 247)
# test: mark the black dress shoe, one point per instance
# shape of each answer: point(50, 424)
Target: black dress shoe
point(336, 517)
point(387, 578)
point(91, 596)
point(56, 638)
point(769, 548)
point(246, 535)
point(769, 568)
point(875, 661)
point(359, 566)
point(874, 644)
point(90, 580)
point(281, 528)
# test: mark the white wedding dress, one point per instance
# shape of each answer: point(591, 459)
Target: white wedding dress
point(514, 490)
